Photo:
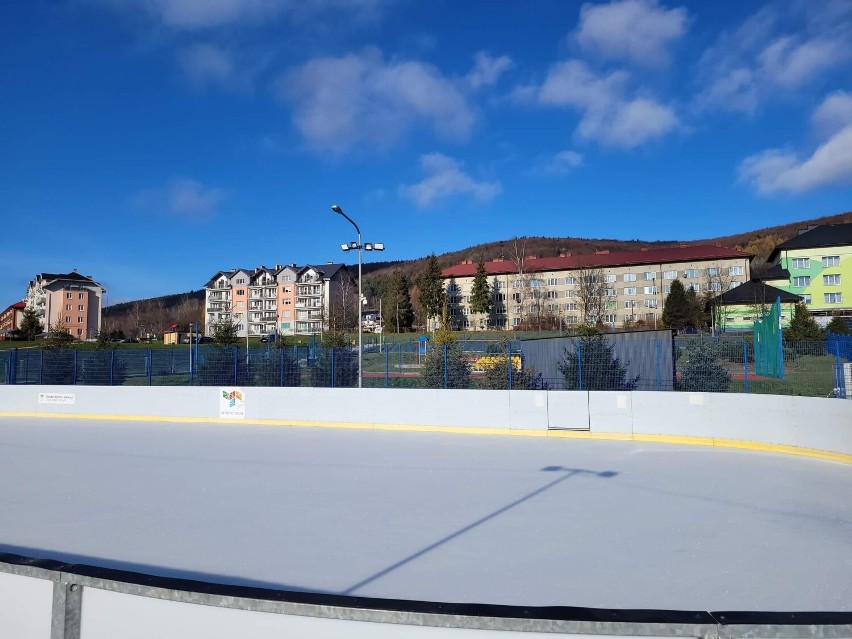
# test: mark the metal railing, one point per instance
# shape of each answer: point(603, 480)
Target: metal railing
point(696, 364)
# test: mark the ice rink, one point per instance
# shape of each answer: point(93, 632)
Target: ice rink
point(442, 517)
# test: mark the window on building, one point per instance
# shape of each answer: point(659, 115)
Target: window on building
point(611, 305)
point(802, 281)
point(833, 298)
point(609, 279)
point(498, 285)
point(571, 306)
point(67, 319)
point(651, 290)
point(712, 272)
point(649, 275)
point(500, 310)
point(801, 262)
point(68, 307)
point(831, 280)
point(609, 292)
point(552, 281)
point(241, 304)
point(630, 304)
point(79, 331)
point(517, 283)
point(630, 277)
point(830, 260)
point(79, 320)
point(609, 318)
point(551, 295)
point(82, 296)
point(570, 293)
point(516, 321)
point(806, 298)
point(571, 319)
point(715, 286)
point(241, 280)
point(570, 281)
point(690, 273)
point(516, 309)
point(630, 290)
point(535, 283)
point(590, 279)
point(650, 303)
point(68, 296)
point(694, 287)
point(80, 307)
point(667, 288)
point(241, 291)
point(735, 270)
point(670, 275)
point(733, 285)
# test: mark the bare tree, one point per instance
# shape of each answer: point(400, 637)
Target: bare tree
point(344, 307)
point(590, 287)
point(717, 280)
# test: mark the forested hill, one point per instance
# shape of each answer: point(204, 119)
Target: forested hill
point(759, 242)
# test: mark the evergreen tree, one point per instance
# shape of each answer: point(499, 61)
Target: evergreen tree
point(397, 304)
point(594, 367)
point(702, 371)
point(676, 309)
point(803, 327)
point(225, 332)
point(30, 324)
point(335, 355)
point(481, 301)
point(58, 337)
point(431, 284)
point(695, 305)
point(839, 326)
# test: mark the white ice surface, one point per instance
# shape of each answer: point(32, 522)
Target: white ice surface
point(442, 517)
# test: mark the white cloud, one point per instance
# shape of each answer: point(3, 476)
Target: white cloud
point(183, 197)
point(609, 115)
point(196, 15)
point(833, 114)
point(487, 70)
point(208, 65)
point(444, 179)
point(364, 99)
point(777, 170)
point(561, 163)
point(779, 49)
point(638, 31)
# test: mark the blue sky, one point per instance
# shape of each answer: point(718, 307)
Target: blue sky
point(150, 143)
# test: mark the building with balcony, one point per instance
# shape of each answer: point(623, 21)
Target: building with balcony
point(817, 265)
point(633, 285)
point(70, 300)
point(11, 318)
point(287, 299)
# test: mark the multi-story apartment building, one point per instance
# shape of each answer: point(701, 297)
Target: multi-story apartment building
point(288, 299)
point(11, 318)
point(816, 264)
point(71, 300)
point(634, 284)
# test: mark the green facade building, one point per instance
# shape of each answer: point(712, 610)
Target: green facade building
point(816, 264)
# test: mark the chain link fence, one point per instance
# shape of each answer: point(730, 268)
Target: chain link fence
point(600, 362)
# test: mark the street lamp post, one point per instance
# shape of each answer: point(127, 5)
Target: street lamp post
point(376, 246)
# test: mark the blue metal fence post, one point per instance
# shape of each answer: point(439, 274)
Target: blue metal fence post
point(111, 366)
point(509, 350)
point(332, 366)
point(387, 367)
point(659, 372)
point(41, 368)
point(75, 366)
point(13, 365)
point(840, 380)
point(745, 366)
point(579, 365)
point(236, 363)
point(446, 373)
point(150, 367)
point(281, 366)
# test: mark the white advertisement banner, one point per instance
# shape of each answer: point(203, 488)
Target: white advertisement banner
point(232, 403)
